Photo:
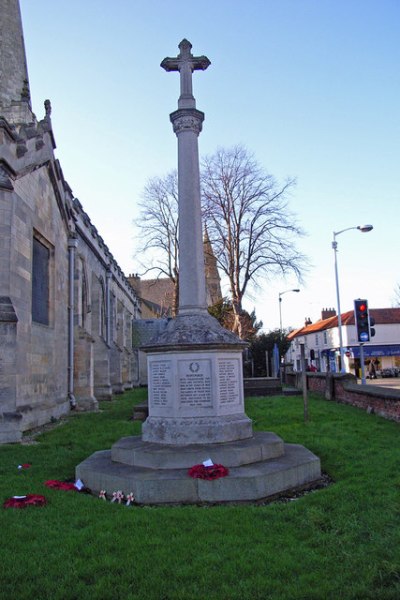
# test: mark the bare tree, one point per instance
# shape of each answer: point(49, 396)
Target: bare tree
point(249, 224)
point(158, 222)
point(251, 229)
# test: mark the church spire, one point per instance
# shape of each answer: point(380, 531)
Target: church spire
point(15, 100)
point(213, 280)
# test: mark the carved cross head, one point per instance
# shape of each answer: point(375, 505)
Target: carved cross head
point(186, 63)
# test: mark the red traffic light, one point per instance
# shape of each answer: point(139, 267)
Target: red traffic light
point(361, 317)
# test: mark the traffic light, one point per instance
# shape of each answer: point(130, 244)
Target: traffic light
point(371, 327)
point(361, 317)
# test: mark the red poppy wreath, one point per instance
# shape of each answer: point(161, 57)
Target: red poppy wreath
point(212, 472)
point(61, 485)
point(24, 501)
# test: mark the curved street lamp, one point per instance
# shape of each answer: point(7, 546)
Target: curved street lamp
point(280, 308)
point(280, 322)
point(363, 229)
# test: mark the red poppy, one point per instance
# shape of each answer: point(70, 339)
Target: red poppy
point(24, 501)
point(213, 472)
point(61, 485)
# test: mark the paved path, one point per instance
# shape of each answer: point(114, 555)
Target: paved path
point(387, 382)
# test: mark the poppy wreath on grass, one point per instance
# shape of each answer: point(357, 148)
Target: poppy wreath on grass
point(24, 501)
point(61, 485)
point(212, 472)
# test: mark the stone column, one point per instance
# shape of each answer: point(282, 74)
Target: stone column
point(187, 122)
point(192, 285)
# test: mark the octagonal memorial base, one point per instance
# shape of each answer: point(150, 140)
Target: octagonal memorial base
point(260, 466)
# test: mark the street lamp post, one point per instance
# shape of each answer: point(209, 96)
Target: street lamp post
point(280, 323)
point(363, 229)
point(280, 308)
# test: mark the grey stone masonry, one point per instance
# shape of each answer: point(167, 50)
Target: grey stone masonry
point(66, 308)
point(7, 312)
point(294, 467)
point(15, 102)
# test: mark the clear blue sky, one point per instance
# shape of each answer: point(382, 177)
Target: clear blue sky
point(311, 87)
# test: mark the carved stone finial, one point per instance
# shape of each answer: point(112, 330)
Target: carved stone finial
point(185, 45)
point(47, 108)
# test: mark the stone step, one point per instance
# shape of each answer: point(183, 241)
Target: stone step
point(289, 391)
point(134, 451)
point(295, 468)
point(263, 392)
point(262, 386)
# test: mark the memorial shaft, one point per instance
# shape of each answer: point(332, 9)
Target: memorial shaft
point(187, 123)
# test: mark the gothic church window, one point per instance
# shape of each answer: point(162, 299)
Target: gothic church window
point(113, 315)
point(81, 307)
point(102, 310)
point(40, 282)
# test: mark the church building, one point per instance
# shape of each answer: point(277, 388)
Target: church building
point(66, 308)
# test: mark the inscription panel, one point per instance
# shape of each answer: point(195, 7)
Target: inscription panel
point(228, 380)
point(161, 382)
point(194, 383)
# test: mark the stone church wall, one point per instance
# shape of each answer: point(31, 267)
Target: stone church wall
point(38, 210)
point(40, 377)
point(36, 352)
point(66, 308)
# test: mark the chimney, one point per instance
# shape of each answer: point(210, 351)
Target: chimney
point(327, 313)
point(134, 280)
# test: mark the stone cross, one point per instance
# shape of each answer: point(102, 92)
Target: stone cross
point(187, 123)
point(186, 63)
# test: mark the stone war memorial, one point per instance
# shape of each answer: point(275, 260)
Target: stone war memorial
point(195, 380)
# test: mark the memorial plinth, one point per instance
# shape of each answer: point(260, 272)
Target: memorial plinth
point(195, 384)
point(195, 376)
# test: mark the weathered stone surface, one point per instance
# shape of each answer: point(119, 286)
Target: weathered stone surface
point(295, 468)
point(7, 311)
point(191, 332)
point(135, 452)
point(196, 396)
point(14, 84)
point(197, 430)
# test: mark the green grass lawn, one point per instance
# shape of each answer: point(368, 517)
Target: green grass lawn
point(337, 543)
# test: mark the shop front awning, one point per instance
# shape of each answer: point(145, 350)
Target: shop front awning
point(372, 350)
